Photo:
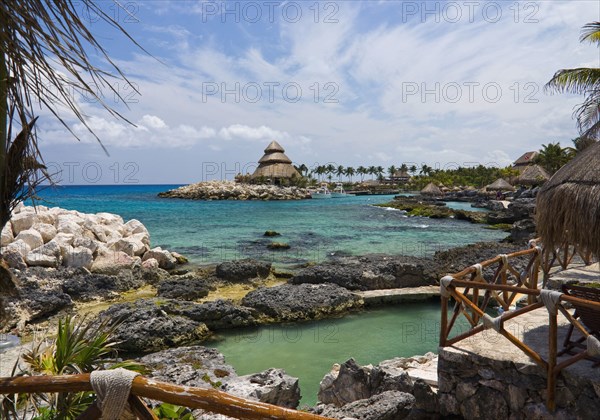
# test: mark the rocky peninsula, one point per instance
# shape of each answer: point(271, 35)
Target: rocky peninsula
point(227, 190)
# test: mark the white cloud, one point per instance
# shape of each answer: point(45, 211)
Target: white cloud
point(250, 133)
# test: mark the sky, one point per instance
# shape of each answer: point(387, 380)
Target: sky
point(350, 83)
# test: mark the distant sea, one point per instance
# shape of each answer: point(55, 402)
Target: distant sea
point(213, 231)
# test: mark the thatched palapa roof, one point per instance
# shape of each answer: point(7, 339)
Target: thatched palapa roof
point(533, 175)
point(499, 185)
point(275, 164)
point(568, 206)
point(431, 189)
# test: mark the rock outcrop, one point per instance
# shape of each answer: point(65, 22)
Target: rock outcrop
point(225, 190)
point(243, 270)
point(385, 391)
point(371, 272)
point(290, 302)
point(206, 368)
point(53, 237)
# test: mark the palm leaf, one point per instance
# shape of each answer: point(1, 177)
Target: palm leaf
point(591, 33)
point(578, 81)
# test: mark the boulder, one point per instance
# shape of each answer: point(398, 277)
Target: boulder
point(144, 327)
point(371, 272)
point(19, 246)
point(105, 233)
point(164, 258)
point(150, 264)
point(79, 257)
point(47, 231)
point(47, 255)
point(7, 235)
point(86, 242)
point(203, 367)
point(84, 286)
point(217, 315)
point(243, 270)
point(114, 262)
point(183, 288)
point(389, 405)
point(22, 221)
point(522, 231)
point(130, 246)
point(290, 302)
point(31, 237)
point(135, 226)
point(14, 259)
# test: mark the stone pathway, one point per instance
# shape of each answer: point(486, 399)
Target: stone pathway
point(407, 294)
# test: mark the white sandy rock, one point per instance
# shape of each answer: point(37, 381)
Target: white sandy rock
point(31, 237)
point(79, 257)
point(150, 264)
point(135, 226)
point(165, 259)
point(86, 242)
point(114, 262)
point(7, 235)
point(47, 231)
point(130, 246)
point(14, 259)
point(19, 246)
point(22, 221)
point(48, 255)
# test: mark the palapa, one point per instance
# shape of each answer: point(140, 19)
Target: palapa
point(275, 165)
point(499, 185)
point(431, 189)
point(568, 206)
point(533, 175)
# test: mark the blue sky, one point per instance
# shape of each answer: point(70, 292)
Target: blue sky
point(344, 82)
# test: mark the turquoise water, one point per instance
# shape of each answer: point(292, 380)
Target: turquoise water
point(460, 205)
point(308, 350)
point(212, 231)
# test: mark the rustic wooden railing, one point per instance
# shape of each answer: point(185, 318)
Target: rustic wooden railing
point(472, 293)
point(210, 400)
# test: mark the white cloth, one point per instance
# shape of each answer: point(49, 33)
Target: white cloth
point(478, 268)
point(444, 283)
point(494, 323)
point(593, 346)
point(550, 299)
point(112, 389)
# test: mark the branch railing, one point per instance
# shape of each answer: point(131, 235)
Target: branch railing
point(210, 400)
point(473, 294)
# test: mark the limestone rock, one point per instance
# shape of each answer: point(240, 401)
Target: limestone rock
point(389, 405)
point(243, 270)
point(7, 235)
point(19, 246)
point(217, 315)
point(31, 237)
point(150, 263)
point(22, 221)
point(300, 302)
point(164, 258)
point(79, 257)
point(47, 231)
point(130, 246)
point(183, 288)
point(114, 262)
point(47, 255)
point(14, 259)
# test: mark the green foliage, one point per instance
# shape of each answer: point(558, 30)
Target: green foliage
point(79, 347)
point(552, 156)
point(478, 176)
point(170, 411)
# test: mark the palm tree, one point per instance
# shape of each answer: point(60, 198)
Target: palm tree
point(303, 169)
point(372, 171)
point(44, 58)
point(581, 143)
point(362, 171)
point(379, 171)
point(583, 81)
point(425, 170)
point(350, 173)
point(404, 168)
point(552, 157)
point(413, 169)
point(391, 171)
point(339, 172)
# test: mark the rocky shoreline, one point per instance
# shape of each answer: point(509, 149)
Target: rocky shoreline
point(173, 312)
point(228, 190)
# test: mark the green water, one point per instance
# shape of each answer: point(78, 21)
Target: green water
point(308, 350)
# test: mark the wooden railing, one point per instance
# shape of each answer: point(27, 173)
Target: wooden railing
point(472, 293)
point(210, 400)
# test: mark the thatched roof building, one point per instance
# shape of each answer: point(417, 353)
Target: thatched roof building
point(533, 175)
point(568, 206)
point(431, 189)
point(526, 160)
point(499, 185)
point(275, 165)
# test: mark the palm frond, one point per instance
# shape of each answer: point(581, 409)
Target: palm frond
point(591, 33)
point(578, 81)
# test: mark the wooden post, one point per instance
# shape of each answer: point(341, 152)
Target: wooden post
point(444, 322)
point(552, 339)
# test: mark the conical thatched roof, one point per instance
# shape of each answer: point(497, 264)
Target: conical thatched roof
point(568, 206)
point(533, 175)
point(431, 189)
point(499, 185)
point(274, 147)
point(275, 164)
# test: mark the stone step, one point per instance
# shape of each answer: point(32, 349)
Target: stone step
point(407, 294)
